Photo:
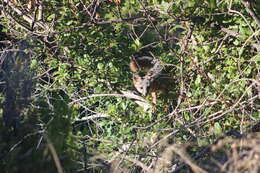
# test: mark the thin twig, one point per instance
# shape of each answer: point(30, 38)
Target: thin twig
point(54, 155)
point(250, 10)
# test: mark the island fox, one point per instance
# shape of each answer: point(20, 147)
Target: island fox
point(142, 66)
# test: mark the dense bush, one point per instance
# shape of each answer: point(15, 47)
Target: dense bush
point(80, 114)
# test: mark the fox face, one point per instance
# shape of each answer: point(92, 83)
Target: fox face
point(145, 88)
point(149, 79)
point(140, 85)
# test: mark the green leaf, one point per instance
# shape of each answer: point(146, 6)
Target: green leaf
point(217, 129)
point(198, 80)
point(212, 4)
point(51, 17)
point(137, 42)
point(34, 64)
point(202, 141)
point(100, 66)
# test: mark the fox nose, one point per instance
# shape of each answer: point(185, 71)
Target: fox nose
point(144, 91)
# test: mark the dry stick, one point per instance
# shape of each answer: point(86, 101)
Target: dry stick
point(109, 95)
point(139, 163)
point(255, 34)
point(40, 10)
point(3, 155)
point(7, 15)
point(27, 18)
point(176, 111)
point(97, 23)
point(240, 14)
point(250, 10)
point(218, 115)
point(141, 35)
point(199, 122)
point(151, 21)
point(207, 148)
point(180, 151)
point(54, 155)
point(154, 44)
point(96, 116)
point(87, 137)
point(126, 150)
point(42, 74)
point(83, 4)
point(237, 35)
point(231, 108)
point(95, 5)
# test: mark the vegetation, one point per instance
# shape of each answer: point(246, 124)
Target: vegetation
point(68, 101)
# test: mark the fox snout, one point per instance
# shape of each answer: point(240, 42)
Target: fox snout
point(140, 84)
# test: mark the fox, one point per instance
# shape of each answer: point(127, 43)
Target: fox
point(139, 64)
point(140, 67)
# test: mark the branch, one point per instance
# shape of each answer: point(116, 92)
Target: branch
point(131, 96)
point(237, 35)
point(250, 10)
point(99, 23)
point(97, 115)
point(26, 17)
